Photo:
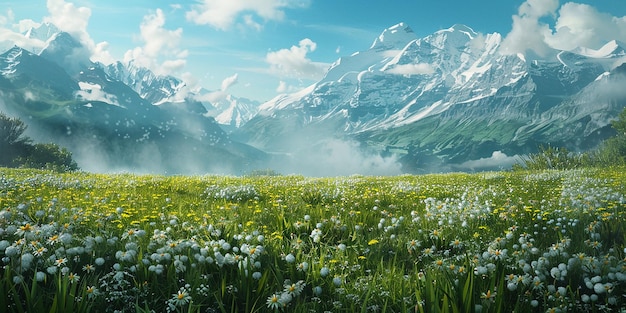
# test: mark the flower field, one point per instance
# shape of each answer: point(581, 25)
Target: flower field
point(549, 241)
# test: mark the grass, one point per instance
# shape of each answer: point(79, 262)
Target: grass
point(536, 241)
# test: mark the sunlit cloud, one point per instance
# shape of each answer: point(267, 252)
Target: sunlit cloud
point(158, 42)
point(223, 15)
point(576, 25)
point(293, 62)
point(527, 32)
point(581, 25)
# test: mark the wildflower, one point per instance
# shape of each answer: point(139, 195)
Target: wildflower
point(488, 295)
point(180, 298)
point(337, 281)
point(22, 230)
point(290, 258)
point(40, 276)
point(52, 240)
point(456, 244)
point(73, 278)
point(88, 268)
point(60, 262)
point(303, 266)
point(92, 291)
point(372, 242)
point(40, 251)
point(324, 271)
point(294, 289)
point(273, 302)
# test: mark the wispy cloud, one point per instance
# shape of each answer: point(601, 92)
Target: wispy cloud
point(223, 15)
point(293, 62)
point(222, 93)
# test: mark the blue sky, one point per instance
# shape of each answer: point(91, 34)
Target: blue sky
point(260, 48)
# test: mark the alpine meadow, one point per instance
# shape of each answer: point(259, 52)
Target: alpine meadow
point(252, 156)
point(523, 241)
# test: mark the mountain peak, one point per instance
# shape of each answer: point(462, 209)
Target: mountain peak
point(462, 29)
point(394, 37)
point(42, 32)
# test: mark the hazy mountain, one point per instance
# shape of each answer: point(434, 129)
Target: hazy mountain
point(449, 99)
point(108, 125)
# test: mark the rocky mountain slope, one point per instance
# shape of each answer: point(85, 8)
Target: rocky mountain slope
point(451, 98)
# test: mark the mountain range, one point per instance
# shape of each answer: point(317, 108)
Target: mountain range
point(453, 100)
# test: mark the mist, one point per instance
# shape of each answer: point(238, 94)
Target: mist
point(334, 157)
point(497, 161)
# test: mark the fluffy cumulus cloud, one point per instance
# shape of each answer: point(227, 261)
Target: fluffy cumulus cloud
point(581, 25)
point(527, 32)
point(158, 43)
point(293, 62)
point(223, 15)
point(11, 33)
point(64, 15)
point(574, 25)
point(74, 20)
point(411, 69)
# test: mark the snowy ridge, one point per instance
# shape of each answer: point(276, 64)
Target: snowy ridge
point(402, 79)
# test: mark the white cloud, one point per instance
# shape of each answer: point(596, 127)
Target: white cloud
point(581, 25)
point(74, 20)
point(158, 42)
point(9, 37)
point(222, 14)
point(576, 25)
point(527, 32)
point(284, 87)
point(221, 94)
point(411, 69)
point(498, 159)
point(69, 18)
point(229, 81)
point(8, 18)
point(293, 62)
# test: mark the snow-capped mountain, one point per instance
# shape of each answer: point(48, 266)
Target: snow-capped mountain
point(453, 95)
point(106, 123)
point(155, 88)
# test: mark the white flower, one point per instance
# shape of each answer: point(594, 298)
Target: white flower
point(179, 298)
point(599, 288)
point(290, 258)
point(337, 281)
point(324, 271)
point(273, 302)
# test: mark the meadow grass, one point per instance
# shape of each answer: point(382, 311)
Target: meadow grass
point(536, 241)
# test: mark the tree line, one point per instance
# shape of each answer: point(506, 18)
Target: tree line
point(18, 150)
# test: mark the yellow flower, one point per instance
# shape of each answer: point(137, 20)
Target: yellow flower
point(372, 242)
